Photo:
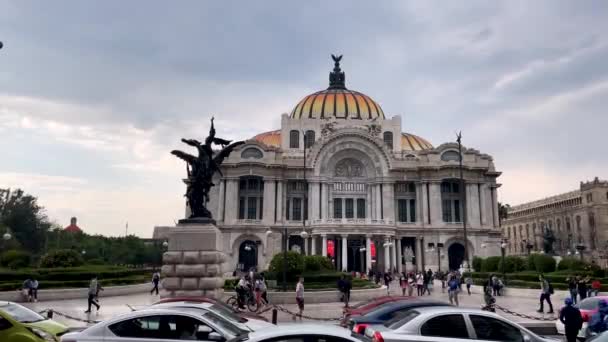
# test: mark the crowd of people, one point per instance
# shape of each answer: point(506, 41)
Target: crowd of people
point(252, 284)
point(582, 287)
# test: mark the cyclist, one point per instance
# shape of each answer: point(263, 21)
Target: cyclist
point(241, 290)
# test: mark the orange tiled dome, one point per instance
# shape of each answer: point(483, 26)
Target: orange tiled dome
point(272, 138)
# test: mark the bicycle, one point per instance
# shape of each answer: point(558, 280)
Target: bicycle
point(249, 300)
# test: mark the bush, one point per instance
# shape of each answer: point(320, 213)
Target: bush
point(541, 263)
point(490, 264)
point(572, 264)
point(61, 258)
point(512, 264)
point(15, 259)
point(317, 263)
point(477, 262)
point(96, 261)
point(295, 265)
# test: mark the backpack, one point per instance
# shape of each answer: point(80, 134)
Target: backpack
point(550, 287)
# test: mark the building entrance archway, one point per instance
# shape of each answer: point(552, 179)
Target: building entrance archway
point(455, 255)
point(248, 255)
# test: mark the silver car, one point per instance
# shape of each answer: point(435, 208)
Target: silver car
point(300, 332)
point(245, 324)
point(155, 325)
point(450, 324)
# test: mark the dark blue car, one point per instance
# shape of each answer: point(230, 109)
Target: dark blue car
point(388, 311)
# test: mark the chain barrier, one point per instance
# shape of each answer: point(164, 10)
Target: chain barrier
point(510, 312)
point(73, 318)
point(295, 314)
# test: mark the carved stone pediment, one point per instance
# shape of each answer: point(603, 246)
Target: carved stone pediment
point(349, 168)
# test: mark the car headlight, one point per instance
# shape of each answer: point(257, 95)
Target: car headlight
point(43, 334)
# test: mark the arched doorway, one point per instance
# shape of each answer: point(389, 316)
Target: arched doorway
point(455, 255)
point(248, 255)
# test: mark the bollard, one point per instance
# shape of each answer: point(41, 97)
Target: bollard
point(274, 316)
point(49, 314)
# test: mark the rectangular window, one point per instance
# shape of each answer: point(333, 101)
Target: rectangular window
point(305, 209)
point(446, 210)
point(338, 208)
point(402, 210)
point(251, 208)
point(360, 208)
point(287, 210)
point(457, 211)
point(297, 209)
point(349, 211)
point(261, 207)
point(412, 210)
point(241, 208)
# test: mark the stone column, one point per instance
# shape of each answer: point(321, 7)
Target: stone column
point(232, 201)
point(368, 202)
point(394, 255)
point(220, 204)
point(324, 202)
point(344, 253)
point(268, 210)
point(435, 201)
point(330, 200)
point(313, 201)
point(279, 210)
point(387, 255)
point(379, 215)
point(484, 205)
point(388, 197)
point(399, 258)
point(368, 252)
point(324, 245)
point(306, 247)
point(372, 201)
point(421, 203)
point(419, 252)
point(494, 206)
point(472, 205)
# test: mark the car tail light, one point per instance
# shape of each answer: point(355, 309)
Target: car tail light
point(360, 328)
point(377, 337)
point(585, 316)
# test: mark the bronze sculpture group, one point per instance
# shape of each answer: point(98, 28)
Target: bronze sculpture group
point(200, 170)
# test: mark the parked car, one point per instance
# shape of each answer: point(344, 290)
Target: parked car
point(386, 312)
point(302, 332)
point(20, 324)
point(588, 307)
point(454, 324)
point(249, 324)
point(245, 315)
point(366, 306)
point(160, 324)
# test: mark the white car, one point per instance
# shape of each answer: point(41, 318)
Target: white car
point(300, 332)
point(160, 325)
point(450, 324)
point(245, 324)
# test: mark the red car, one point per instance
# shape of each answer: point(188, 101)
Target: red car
point(366, 306)
point(242, 314)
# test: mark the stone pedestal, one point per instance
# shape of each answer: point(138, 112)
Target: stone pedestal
point(192, 263)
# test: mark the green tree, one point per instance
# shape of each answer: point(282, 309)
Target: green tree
point(21, 213)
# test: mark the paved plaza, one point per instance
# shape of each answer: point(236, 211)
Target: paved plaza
point(112, 306)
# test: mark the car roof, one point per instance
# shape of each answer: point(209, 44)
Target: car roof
point(453, 309)
point(406, 303)
point(203, 305)
point(299, 329)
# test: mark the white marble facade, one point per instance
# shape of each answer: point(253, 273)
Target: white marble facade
point(364, 183)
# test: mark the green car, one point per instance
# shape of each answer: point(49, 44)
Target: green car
point(20, 324)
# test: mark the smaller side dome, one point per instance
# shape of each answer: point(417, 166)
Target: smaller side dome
point(411, 142)
point(272, 138)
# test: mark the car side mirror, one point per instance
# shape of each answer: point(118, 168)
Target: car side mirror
point(213, 336)
point(527, 338)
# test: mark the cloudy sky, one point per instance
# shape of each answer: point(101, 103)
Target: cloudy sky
point(93, 95)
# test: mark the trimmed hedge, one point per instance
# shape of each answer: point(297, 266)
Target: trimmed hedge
point(61, 258)
point(512, 264)
point(15, 259)
point(541, 263)
point(72, 273)
point(295, 264)
point(477, 262)
point(490, 264)
point(56, 284)
point(317, 263)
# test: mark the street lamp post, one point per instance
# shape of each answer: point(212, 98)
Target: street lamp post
point(463, 199)
point(503, 247)
point(580, 248)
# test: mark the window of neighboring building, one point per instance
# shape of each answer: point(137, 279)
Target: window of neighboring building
point(388, 139)
point(309, 138)
point(337, 208)
point(294, 139)
point(251, 197)
point(349, 210)
point(360, 208)
point(451, 205)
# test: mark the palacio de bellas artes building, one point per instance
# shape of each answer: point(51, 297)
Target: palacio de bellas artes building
point(341, 179)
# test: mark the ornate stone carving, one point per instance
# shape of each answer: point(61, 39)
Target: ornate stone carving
point(349, 168)
point(328, 128)
point(374, 129)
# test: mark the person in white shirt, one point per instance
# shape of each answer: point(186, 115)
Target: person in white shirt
point(300, 297)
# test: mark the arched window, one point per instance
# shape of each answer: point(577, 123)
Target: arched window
point(251, 152)
point(450, 156)
point(388, 139)
point(294, 139)
point(451, 205)
point(309, 138)
point(251, 198)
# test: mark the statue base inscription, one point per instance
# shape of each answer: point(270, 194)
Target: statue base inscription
point(192, 263)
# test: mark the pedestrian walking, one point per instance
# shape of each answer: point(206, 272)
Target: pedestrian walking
point(411, 283)
point(403, 283)
point(34, 290)
point(571, 317)
point(387, 282)
point(572, 288)
point(428, 282)
point(453, 290)
point(545, 295)
point(495, 286)
point(582, 287)
point(419, 283)
point(469, 281)
point(348, 285)
point(94, 288)
point(155, 281)
point(300, 297)
point(595, 287)
point(26, 290)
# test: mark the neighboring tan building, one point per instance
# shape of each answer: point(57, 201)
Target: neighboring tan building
point(367, 195)
point(578, 219)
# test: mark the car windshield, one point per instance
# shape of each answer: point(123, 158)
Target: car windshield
point(401, 319)
point(224, 324)
point(229, 314)
point(21, 313)
point(589, 303)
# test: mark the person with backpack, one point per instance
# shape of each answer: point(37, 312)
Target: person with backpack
point(545, 295)
point(155, 281)
point(469, 281)
point(453, 288)
point(571, 317)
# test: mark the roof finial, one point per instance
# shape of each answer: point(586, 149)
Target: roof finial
point(337, 77)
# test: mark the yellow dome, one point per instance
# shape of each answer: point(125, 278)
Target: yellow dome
point(272, 138)
point(411, 142)
point(337, 101)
